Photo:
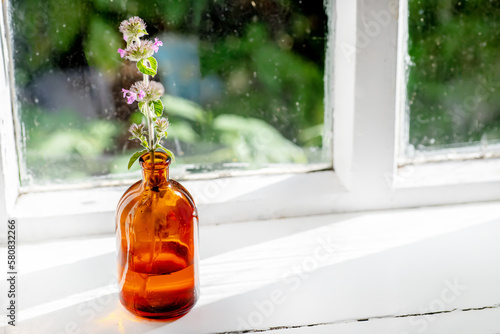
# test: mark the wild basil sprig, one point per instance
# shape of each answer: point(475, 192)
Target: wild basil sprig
point(146, 92)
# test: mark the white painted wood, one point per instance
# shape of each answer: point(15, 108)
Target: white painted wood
point(346, 268)
point(367, 107)
point(402, 110)
point(458, 173)
point(365, 95)
point(85, 212)
point(469, 322)
point(52, 215)
point(344, 90)
point(462, 152)
point(369, 125)
point(329, 78)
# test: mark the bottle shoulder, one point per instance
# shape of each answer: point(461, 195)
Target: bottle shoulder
point(130, 194)
point(171, 191)
point(180, 188)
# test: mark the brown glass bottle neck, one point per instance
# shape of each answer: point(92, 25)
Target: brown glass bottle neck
point(155, 177)
point(154, 168)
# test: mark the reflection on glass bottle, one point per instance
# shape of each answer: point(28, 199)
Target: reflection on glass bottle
point(157, 244)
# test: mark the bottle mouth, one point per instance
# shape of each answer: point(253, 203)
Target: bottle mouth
point(161, 160)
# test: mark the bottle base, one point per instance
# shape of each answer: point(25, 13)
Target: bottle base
point(162, 315)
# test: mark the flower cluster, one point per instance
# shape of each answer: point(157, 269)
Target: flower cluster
point(134, 27)
point(138, 52)
point(161, 125)
point(138, 132)
point(148, 93)
point(144, 92)
point(152, 91)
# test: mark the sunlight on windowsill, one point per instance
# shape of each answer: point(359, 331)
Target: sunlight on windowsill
point(344, 257)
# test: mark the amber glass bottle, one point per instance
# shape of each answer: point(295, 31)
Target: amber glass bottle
point(157, 244)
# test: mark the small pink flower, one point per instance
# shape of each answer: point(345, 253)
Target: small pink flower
point(141, 95)
point(131, 96)
point(157, 44)
point(122, 52)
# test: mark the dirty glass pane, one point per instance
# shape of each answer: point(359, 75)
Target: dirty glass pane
point(244, 83)
point(454, 74)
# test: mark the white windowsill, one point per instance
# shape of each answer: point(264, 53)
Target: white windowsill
point(84, 212)
point(432, 174)
point(393, 268)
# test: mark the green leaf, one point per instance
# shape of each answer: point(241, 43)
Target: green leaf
point(141, 108)
point(153, 64)
point(172, 156)
point(134, 157)
point(158, 107)
point(144, 69)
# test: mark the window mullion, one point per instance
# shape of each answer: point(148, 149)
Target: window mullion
point(365, 127)
point(402, 110)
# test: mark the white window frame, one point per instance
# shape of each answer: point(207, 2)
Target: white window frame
point(365, 97)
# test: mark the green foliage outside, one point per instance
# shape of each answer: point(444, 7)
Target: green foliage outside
point(454, 77)
point(268, 57)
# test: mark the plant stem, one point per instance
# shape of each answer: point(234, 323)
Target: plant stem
point(151, 130)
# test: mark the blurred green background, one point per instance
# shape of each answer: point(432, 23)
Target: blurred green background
point(454, 75)
point(244, 83)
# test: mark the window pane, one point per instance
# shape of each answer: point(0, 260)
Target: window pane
point(454, 75)
point(244, 83)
